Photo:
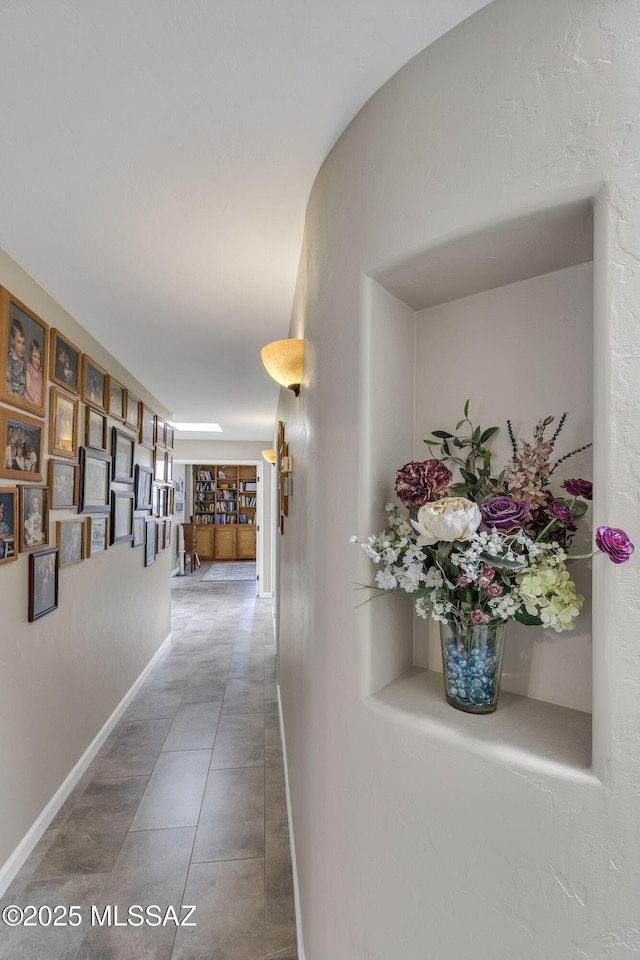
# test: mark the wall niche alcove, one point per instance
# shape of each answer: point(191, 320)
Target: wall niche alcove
point(502, 316)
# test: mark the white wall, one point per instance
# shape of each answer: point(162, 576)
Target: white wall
point(409, 841)
point(62, 676)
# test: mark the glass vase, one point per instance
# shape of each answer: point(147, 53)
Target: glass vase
point(472, 663)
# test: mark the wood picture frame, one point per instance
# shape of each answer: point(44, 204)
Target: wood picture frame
point(143, 487)
point(94, 383)
point(63, 479)
point(150, 543)
point(139, 531)
point(95, 429)
point(63, 424)
point(170, 437)
point(34, 517)
point(121, 517)
point(159, 536)
point(132, 414)
point(43, 583)
point(97, 535)
point(65, 362)
point(116, 398)
point(71, 542)
point(8, 524)
point(17, 433)
point(95, 481)
point(161, 432)
point(167, 533)
point(24, 351)
point(147, 427)
point(168, 467)
point(122, 454)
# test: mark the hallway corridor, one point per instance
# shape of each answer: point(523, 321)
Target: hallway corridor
point(184, 804)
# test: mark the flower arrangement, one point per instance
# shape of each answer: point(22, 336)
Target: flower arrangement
point(490, 546)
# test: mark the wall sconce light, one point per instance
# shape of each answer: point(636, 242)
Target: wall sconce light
point(283, 361)
point(269, 456)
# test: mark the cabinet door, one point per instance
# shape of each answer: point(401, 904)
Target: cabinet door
point(204, 541)
point(225, 542)
point(246, 542)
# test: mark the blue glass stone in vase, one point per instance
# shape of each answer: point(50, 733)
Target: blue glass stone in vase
point(472, 664)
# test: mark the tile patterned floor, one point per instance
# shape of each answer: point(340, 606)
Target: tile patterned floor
point(184, 804)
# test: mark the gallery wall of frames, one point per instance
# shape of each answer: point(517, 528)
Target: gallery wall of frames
point(69, 436)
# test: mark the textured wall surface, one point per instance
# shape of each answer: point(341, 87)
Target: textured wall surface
point(409, 845)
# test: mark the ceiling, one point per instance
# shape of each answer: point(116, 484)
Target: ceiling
point(156, 158)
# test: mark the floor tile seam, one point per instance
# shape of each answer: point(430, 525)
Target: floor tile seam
point(231, 860)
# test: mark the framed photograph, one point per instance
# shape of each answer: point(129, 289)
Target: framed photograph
point(150, 543)
point(171, 501)
point(162, 501)
point(94, 384)
point(22, 441)
point(63, 424)
point(34, 517)
point(63, 484)
point(95, 479)
point(122, 450)
point(121, 516)
point(179, 508)
point(64, 362)
point(159, 536)
point(161, 432)
point(170, 436)
point(147, 427)
point(95, 429)
point(168, 467)
point(132, 407)
point(97, 535)
point(23, 355)
point(167, 533)
point(43, 583)
point(116, 399)
point(160, 466)
point(70, 539)
point(8, 524)
point(139, 531)
point(143, 487)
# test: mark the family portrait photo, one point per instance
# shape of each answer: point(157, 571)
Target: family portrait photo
point(24, 352)
point(43, 583)
point(65, 363)
point(22, 439)
point(8, 524)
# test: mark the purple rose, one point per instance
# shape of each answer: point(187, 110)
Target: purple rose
point(559, 511)
point(579, 488)
point(503, 513)
point(419, 483)
point(615, 543)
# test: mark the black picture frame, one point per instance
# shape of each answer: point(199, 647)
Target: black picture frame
point(43, 583)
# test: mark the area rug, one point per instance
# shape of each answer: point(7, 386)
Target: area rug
point(237, 570)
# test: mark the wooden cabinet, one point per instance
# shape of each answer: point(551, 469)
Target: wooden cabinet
point(224, 511)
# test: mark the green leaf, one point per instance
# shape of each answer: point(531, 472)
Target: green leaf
point(501, 563)
point(527, 619)
point(468, 476)
point(443, 434)
point(445, 448)
point(433, 443)
point(466, 409)
point(476, 435)
point(488, 433)
point(457, 443)
point(579, 508)
point(459, 424)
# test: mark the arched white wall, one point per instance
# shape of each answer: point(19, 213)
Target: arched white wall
point(411, 843)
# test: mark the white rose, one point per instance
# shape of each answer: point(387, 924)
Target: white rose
point(452, 518)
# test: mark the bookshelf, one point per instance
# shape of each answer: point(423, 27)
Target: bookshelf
point(224, 511)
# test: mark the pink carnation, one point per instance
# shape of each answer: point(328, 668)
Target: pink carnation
point(479, 617)
point(494, 590)
point(419, 483)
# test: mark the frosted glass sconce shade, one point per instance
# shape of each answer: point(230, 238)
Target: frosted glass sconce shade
point(283, 361)
point(269, 455)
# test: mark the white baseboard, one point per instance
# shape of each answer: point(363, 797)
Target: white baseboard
point(21, 853)
point(266, 595)
point(292, 844)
